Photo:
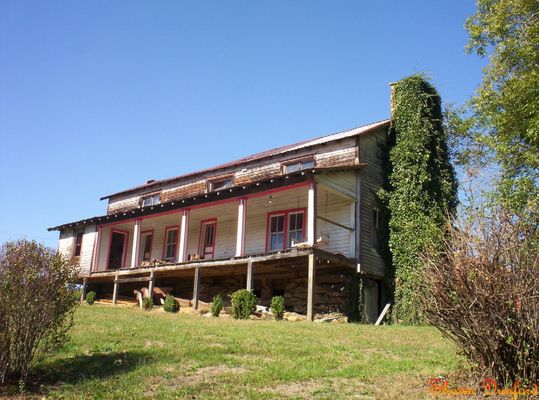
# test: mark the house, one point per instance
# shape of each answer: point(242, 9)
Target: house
point(300, 221)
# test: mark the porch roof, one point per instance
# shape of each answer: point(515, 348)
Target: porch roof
point(236, 191)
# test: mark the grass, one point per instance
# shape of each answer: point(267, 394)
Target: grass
point(118, 353)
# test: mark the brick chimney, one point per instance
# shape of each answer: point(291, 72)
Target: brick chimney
point(392, 98)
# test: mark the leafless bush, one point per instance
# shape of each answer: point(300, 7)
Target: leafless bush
point(36, 304)
point(482, 292)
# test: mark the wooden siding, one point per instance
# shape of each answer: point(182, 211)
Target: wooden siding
point(66, 246)
point(371, 181)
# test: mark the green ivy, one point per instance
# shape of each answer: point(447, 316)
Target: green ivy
point(420, 192)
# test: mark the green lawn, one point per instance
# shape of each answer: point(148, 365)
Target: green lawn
point(126, 353)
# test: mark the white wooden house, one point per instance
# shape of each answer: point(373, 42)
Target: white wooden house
point(300, 221)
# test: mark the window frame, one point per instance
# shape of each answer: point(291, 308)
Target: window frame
point(302, 160)
point(210, 183)
point(165, 242)
point(76, 235)
point(286, 213)
point(151, 196)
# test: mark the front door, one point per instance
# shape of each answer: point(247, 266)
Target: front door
point(118, 241)
point(207, 245)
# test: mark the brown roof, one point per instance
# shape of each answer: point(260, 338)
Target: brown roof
point(265, 154)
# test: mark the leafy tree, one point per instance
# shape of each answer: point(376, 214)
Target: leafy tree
point(421, 188)
point(500, 123)
point(36, 304)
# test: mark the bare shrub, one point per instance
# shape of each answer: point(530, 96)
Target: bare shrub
point(482, 292)
point(36, 304)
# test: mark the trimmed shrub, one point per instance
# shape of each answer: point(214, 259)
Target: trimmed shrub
point(36, 305)
point(216, 305)
point(147, 303)
point(171, 304)
point(90, 297)
point(277, 307)
point(243, 303)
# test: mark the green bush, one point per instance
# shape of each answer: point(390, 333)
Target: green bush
point(171, 304)
point(147, 303)
point(277, 307)
point(216, 305)
point(243, 303)
point(90, 297)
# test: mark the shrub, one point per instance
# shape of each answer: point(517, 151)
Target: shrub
point(243, 303)
point(171, 304)
point(90, 297)
point(482, 290)
point(147, 303)
point(216, 305)
point(36, 305)
point(277, 307)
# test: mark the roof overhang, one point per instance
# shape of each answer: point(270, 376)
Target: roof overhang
point(236, 191)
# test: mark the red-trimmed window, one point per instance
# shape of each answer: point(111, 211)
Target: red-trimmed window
point(147, 241)
point(78, 244)
point(285, 228)
point(171, 243)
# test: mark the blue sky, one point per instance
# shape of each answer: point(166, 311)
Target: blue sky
point(98, 96)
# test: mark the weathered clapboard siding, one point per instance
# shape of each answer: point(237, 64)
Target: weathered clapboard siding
point(67, 243)
point(338, 209)
point(371, 181)
point(334, 154)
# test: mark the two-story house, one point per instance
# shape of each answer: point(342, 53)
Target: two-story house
point(299, 221)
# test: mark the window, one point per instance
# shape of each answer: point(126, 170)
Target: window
point(78, 244)
point(147, 240)
point(300, 165)
point(171, 243)
point(150, 200)
point(285, 228)
point(375, 228)
point(221, 184)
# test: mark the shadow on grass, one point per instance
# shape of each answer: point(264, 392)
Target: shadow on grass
point(48, 374)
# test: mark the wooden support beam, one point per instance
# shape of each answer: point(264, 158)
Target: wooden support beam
point(184, 229)
point(95, 254)
point(131, 280)
point(115, 291)
point(196, 288)
point(151, 284)
point(311, 283)
point(383, 314)
point(250, 275)
point(136, 243)
point(336, 223)
point(311, 214)
point(240, 233)
point(83, 291)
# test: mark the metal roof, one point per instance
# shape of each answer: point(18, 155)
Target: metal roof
point(265, 154)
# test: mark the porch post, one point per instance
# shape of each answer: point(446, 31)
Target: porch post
point(250, 276)
point(136, 244)
point(97, 245)
point(184, 229)
point(240, 233)
point(196, 287)
point(83, 292)
point(311, 284)
point(115, 291)
point(311, 214)
point(151, 284)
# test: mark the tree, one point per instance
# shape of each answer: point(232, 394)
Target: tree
point(420, 192)
point(36, 304)
point(500, 123)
